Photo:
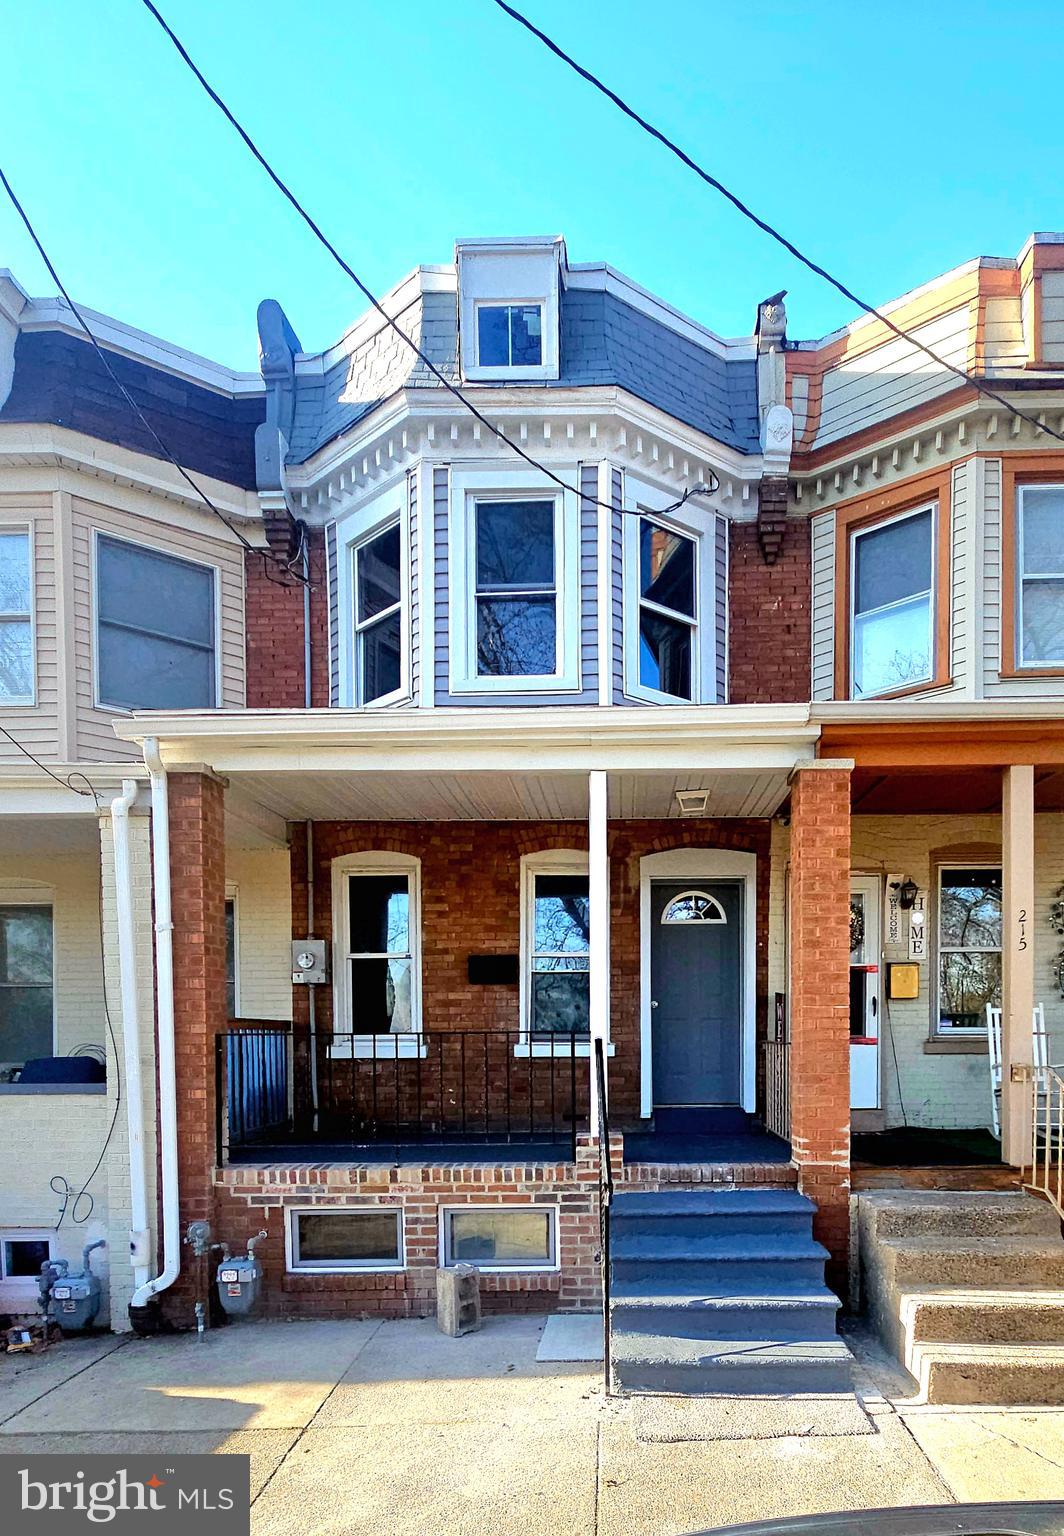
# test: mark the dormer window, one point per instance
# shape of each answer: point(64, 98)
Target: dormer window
point(508, 307)
point(509, 335)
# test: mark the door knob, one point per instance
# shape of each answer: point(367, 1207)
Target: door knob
point(653, 1004)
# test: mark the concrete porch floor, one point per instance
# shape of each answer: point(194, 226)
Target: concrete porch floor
point(364, 1425)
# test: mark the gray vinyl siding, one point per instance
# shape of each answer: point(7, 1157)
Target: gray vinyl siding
point(415, 585)
point(823, 577)
point(588, 576)
point(962, 532)
point(37, 725)
point(333, 583)
point(991, 606)
point(720, 610)
point(587, 693)
point(617, 577)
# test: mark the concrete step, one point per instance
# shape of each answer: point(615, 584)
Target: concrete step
point(1006, 1374)
point(973, 1262)
point(662, 1363)
point(746, 1259)
point(712, 1213)
point(946, 1213)
point(955, 1315)
point(809, 1314)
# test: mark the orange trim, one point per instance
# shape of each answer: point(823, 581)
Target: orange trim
point(865, 512)
point(844, 447)
point(1020, 469)
point(947, 744)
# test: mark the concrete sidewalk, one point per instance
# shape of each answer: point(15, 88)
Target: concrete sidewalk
point(366, 1425)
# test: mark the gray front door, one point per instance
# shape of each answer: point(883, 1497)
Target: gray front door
point(696, 1013)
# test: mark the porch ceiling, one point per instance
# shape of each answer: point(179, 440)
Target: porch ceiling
point(945, 792)
point(485, 795)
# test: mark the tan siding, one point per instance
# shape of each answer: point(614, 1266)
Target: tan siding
point(961, 617)
point(823, 536)
point(1003, 334)
point(36, 726)
point(261, 879)
point(96, 739)
point(1053, 317)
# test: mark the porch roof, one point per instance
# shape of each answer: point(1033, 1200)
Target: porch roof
point(488, 763)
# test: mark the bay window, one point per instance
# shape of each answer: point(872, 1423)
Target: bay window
point(378, 589)
point(16, 618)
point(969, 946)
point(667, 609)
point(1040, 575)
point(155, 629)
point(892, 608)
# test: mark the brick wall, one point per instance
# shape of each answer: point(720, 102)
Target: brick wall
point(769, 617)
point(275, 648)
point(820, 1009)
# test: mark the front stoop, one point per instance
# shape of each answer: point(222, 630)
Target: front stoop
point(721, 1291)
point(968, 1291)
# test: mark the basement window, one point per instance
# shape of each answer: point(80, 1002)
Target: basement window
point(501, 1238)
point(22, 1252)
point(340, 1241)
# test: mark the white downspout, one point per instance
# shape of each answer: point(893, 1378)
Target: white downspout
point(139, 1239)
point(164, 986)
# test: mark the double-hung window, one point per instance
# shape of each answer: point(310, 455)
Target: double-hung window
point(156, 625)
point(377, 579)
point(892, 608)
point(556, 944)
point(1040, 575)
point(969, 946)
point(16, 619)
point(668, 612)
point(515, 595)
point(509, 335)
point(26, 1002)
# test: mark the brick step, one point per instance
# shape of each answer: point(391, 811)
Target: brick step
point(953, 1315)
point(1006, 1374)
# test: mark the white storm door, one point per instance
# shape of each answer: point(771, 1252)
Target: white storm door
point(865, 1001)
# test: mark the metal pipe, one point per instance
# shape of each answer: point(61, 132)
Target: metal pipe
point(139, 1234)
point(308, 701)
point(167, 1066)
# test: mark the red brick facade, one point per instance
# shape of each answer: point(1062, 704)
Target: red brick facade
point(819, 992)
point(769, 636)
point(274, 621)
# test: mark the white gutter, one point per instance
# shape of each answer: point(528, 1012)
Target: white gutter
point(139, 1238)
point(164, 986)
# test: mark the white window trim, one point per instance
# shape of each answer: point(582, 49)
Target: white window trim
point(232, 893)
point(1045, 661)
point(448, 1262)
point(509, 370)
point(295, 1266)
point(27, 701)
point(170, 554)
point(952, 1031)
point(36, 896)
point(390, 507)
point(374, 1047)
point(851, 618)
point(15, 1289)
point(549, 861)
point(467, 488)
point(641, 501)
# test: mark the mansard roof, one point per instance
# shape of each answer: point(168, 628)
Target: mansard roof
point(605, 339)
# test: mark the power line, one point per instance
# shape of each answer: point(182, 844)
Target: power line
point(130, 401)
point(372, 299)
point(763, 224)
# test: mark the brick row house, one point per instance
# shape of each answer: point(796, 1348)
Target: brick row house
point(726, 734)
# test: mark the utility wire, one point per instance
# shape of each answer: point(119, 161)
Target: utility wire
point(372, 299)
point(130, 401)
point(763, 224)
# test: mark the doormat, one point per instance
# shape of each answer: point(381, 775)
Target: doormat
point(664, 1420)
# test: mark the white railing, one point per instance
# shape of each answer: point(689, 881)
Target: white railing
point(778, 1088)
point(1047, 1136)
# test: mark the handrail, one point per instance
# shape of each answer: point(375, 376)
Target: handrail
point(1047, 1136)
point(605, 1197)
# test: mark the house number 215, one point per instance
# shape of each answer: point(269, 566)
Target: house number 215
point(1022, 920)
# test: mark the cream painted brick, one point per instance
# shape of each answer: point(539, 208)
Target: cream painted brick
point(74, 883)
point(260, 879)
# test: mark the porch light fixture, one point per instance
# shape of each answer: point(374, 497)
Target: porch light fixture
point(692, 802)
point(907, 894)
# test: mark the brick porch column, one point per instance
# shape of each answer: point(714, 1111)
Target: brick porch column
point(820, 1000)
point(197, 877)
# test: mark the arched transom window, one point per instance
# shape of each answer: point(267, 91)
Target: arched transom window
point(694, 907)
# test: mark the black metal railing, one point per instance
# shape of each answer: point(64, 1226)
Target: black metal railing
point(605, 1200)
point(276, 1084)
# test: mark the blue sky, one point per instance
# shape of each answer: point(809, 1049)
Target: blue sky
point(892, 141)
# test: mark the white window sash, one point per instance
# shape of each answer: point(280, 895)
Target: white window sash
point(1023, 577)
point(928, 592)
point(949, 1030)
point(378, 1047)
point(701, 623)
point(361, 626)
point(551, 1265)
point(29, 616)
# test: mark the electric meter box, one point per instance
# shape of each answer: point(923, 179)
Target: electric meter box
point(309, 962)
point(239, 1283)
